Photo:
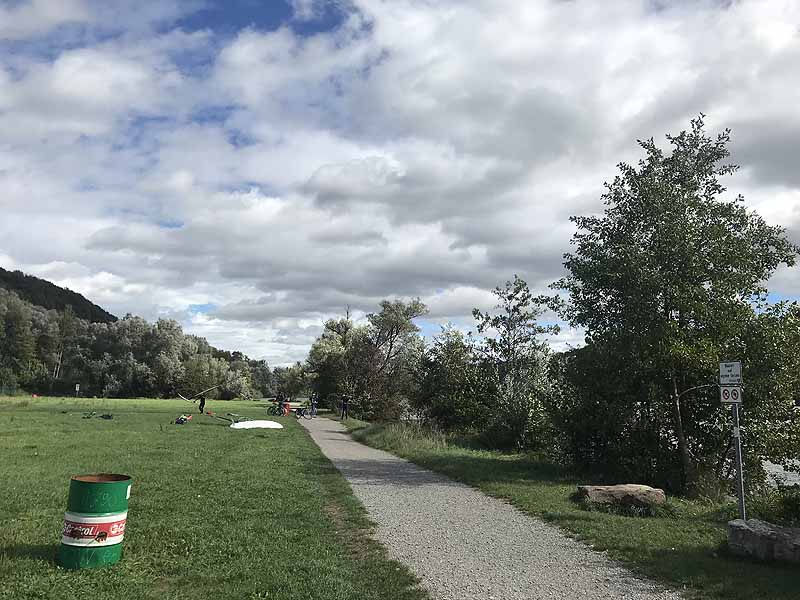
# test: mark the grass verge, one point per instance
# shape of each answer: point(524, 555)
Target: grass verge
point(214, 512)
point(682, 546)
point(351, 424)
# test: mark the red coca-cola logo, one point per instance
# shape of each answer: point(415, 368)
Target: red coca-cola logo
point(82, 531)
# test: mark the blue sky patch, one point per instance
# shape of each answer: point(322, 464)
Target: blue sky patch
point(195, 309)
point(228, 18)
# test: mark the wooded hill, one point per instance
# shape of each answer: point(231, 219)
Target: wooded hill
point(50, 296)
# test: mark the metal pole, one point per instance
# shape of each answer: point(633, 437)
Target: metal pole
point(737, 443)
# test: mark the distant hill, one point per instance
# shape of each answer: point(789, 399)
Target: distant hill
point(48, 295)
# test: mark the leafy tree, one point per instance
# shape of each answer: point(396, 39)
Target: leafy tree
point(20, 341)
point(372, 363)
point(451, 383)
point(261, 378)
point(292, 381)
point(393, 327)
point(326, 360)
point(203, 371)
point(668, 278)
point(518, 359)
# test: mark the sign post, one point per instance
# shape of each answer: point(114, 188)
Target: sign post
point(730, 391)
point(77, 389)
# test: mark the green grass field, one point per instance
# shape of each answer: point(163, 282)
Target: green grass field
point(214, 512)
point(684, 547)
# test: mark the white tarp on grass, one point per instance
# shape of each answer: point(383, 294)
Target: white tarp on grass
point(256, 425)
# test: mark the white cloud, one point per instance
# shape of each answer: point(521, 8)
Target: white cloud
point(306, 10)
point(418, 149)
point(37, 17)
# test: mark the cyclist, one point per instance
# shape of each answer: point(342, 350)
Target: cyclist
point(280, 404)
point(313, 405)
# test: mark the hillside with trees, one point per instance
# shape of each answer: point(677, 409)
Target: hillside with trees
point(50, 296)
point(48, 351)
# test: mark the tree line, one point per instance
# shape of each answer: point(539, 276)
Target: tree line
point(666, 281)
point(48, 351)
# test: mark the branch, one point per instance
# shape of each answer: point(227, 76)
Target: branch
point(697, 387)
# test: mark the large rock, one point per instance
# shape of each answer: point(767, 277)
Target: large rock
point(764, 541)
point(624, 495)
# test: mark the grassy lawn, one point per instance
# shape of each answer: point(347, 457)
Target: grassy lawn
point(684, 548)
point(214, 512)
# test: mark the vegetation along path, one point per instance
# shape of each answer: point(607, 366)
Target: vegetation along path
point(464, 544)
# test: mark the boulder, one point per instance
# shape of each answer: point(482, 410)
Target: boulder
point(764, 541)
point(624, 495)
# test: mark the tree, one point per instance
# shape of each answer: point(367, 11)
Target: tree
point(291, 381)
point(393, 327)
point(327, 362)
point(261, 378)
point(451, 383)
point(19, 340)
point(669, 277)
point(371, 363)
point(518, 359)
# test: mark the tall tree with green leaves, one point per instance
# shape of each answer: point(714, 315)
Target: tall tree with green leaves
point(672, 272)
point(451, 382)
point(371, 363)
point(517, 356)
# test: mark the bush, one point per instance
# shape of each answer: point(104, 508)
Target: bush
point(779, 505)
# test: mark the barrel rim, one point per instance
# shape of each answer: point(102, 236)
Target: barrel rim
point(95, 517)
point(101, 478)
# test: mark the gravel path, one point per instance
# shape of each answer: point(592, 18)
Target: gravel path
point(465, 545)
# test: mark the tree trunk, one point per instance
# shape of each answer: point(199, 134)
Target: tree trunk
point(683, 447)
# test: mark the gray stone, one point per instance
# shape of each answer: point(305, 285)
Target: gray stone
point(628, 494)
point(764, 541)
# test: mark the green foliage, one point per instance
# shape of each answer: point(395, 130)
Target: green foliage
point(779, 505)
point(46, 351)
point(516, 359)
point(291, 382)
point(373, 364)
point(666, 282)
point(452, 383)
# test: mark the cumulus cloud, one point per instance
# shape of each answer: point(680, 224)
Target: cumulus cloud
point(405, 149)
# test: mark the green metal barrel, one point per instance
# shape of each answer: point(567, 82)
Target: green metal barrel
point(94, 524)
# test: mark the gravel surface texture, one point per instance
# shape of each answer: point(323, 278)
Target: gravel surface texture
point(465, 545)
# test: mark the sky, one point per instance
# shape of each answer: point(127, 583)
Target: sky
point(253, 167)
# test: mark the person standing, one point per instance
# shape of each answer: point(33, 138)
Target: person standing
point(202, 403)
point(313, 405)
point(345, 406)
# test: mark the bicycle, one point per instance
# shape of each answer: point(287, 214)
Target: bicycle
point(304, 412)
point(275, 410)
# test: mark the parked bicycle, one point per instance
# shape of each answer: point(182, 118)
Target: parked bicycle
point(305, 412)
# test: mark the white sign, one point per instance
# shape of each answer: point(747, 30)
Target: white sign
point(730, 373)
point(730, 394)
point(77, 387)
